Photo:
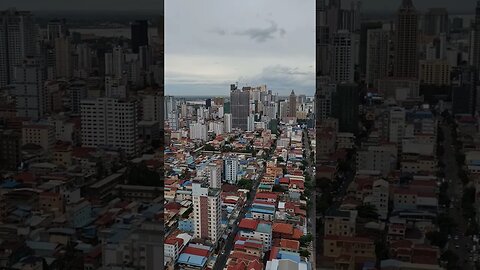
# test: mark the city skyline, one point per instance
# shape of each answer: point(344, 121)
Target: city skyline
point(274, 46)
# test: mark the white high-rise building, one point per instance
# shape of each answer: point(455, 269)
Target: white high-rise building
point(198, 131)
point(78, 90)
point(110, 122)
point(220, 112)
point(343, 62)
point(215, 175)
point(170, 112)
point(63, 57)
point(379, 197)
point(216, 127)
point(283, 109)
point(227, 121)
point(56, 28)
point(115, 87)
point(83, 66)
point(378, 55)
point(114, 62)
point(207, 210)
point(251, 122)
point(396, 124)
point(153, 105)
point(30, 93)
point(231, 169)
point(183, 110)
point(18, 36)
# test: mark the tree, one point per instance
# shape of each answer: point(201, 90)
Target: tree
point(468, 201)
point(245, 184)
point(209, 147)
point(437, 238)
point(367, 211)
point(305, 253)
point(306, 239)
point(324, 183)
point(450, 258)
point(381, 249)
point(344, 166)
point(463, 176)
point(446, 224)
point(460, 158)
point(140, 174)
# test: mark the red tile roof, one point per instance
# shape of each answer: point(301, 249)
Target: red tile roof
point(282, 228)
point(297, 233)
point(266, 195)
point(290, 244)
point(196, 251)
point(248, 223)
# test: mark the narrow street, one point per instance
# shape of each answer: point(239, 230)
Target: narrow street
point(311, 220)
point(229, 243)
point(459, 243)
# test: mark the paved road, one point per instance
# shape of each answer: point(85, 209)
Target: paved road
point(455, 192)
point(229, 243)
point(311, 220)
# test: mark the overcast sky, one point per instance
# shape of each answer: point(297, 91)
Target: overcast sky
point(389, 5)
point(51, 5)
point(210, 44)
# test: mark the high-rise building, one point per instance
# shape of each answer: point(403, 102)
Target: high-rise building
point(292, 105)
point(78, 90)
point(457, 23)
point(10, 142)
point(378, 55)
point(18, 39)
point(116, 87)
point(30, 94)
point(207, 210)
point(436, 21)
point(39, 133)
point(171, 112)
point(215, 175)
point(110, 122)
point(139, 34)
point(198, 131)
point(63, 57)
point(362, 55)
point(396, 124)
point(345, 107)
point(324, 101)
point(464, 95)
point(83, 61)
point(476, 39)
point(227, 121)
point(56, 28)
point(406, 51)
point(434, 72)
point(217, 127)
point(239, 106)
point(230, 170)
point(342, 62)
point(115, 62)
point(153, 107)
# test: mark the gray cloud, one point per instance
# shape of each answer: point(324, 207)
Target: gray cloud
point(283, 79)
point(261, 42)
point(262, 34)
point(219, 31)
